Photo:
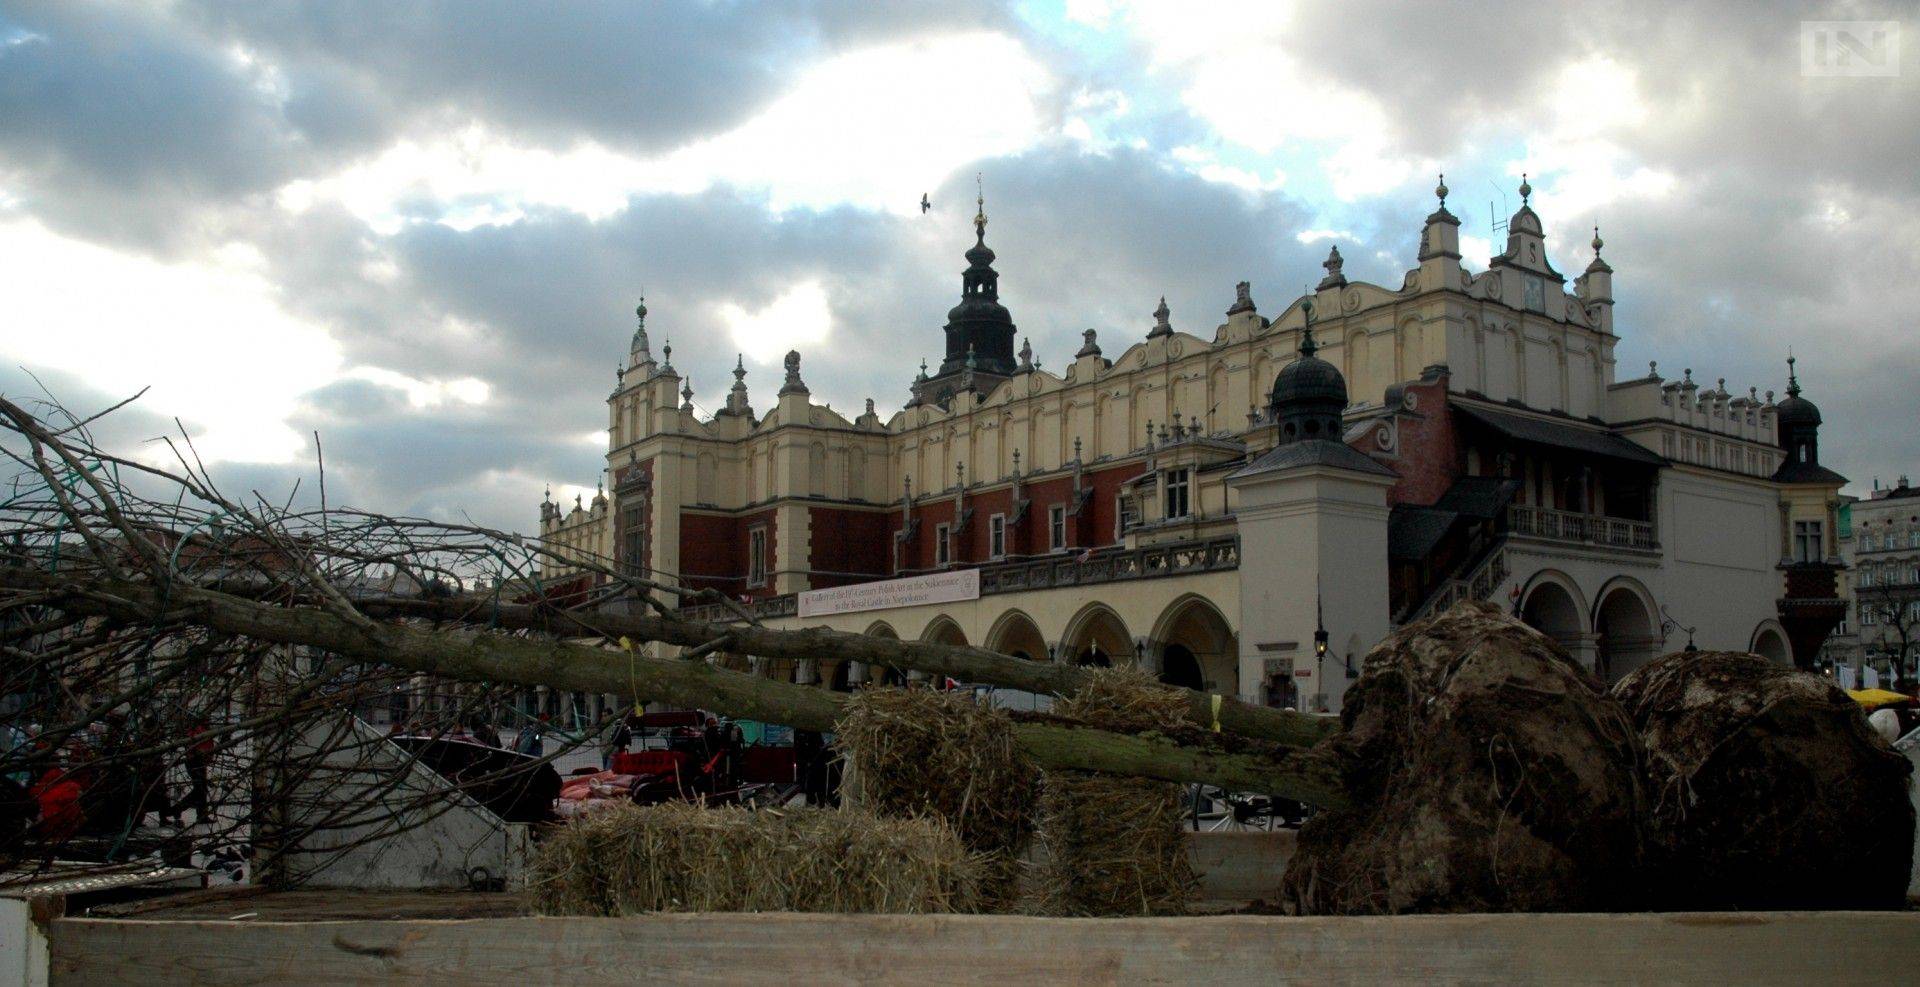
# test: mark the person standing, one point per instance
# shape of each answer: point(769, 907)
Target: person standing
point(532, 739)
point(618, 743)
point(198, 760)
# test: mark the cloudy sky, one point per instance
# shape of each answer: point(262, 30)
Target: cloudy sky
point(420, 229)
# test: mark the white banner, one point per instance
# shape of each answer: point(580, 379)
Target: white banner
point(940, 587)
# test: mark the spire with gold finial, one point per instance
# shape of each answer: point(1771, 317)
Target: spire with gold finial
point(979, 208)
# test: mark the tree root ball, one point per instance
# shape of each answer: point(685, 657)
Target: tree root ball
point(1488, 773)
point(1767, 788)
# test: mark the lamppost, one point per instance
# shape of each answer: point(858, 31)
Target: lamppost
point(1319, 657)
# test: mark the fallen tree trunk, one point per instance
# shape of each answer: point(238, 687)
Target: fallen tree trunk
point(483, 656)
point(966, 664)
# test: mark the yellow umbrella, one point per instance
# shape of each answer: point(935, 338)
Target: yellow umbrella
point(1875, 698)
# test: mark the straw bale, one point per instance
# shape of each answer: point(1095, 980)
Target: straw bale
point(916, 752)
point(683, 857)
point(1115, 846)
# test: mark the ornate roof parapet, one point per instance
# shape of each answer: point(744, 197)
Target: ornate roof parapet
point(1161, 325)
point(793, 384)
point(1333, 264)
point(639, 354)
point(737, 404)
point(1242, 299)
point(1526, 239)
point(1088, 346)
point(1439, 254)
point(1440, 213)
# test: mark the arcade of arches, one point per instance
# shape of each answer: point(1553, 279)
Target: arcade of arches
point(1190, 645)
point(1618, 634)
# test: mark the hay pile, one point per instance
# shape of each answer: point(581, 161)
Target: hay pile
point(1116, 846)
point(1488, 774)
point(1767, 787)
point(680, 857)
point(915, 752)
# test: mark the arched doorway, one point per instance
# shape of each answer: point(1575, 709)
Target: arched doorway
point(1551, 609)
point(863, 674)
point(1016, 634)
point(1628, 635)
point(1097, 637)
point(1198, 650)
point(1770, 644)
point(943, 630)
point(1179, 667)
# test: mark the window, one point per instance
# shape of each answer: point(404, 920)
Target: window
point(942, 544)
point(1913, 538)
point(1806, 541)
point(1176, 483)
point(757, 557)
point(1866, 543)
point(997, 536)
point(633, 548)
point(1128, 515)
point(1866, 577)
point(1868, 616)
point(1057, 527)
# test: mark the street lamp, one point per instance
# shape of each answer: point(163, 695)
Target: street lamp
point(1319, 655)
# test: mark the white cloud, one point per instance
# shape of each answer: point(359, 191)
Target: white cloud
point(426, 393)
point(798, 317)
point(872, 128)
point(208, 335)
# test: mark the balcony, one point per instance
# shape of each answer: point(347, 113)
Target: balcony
point(1109, 566)
point(1581, 529)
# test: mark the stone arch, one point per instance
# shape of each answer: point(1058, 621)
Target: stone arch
point(941, 630)
point(944, 630)
point(706, 479)
point(1769, 641)
point(856, 473)
point(1016, 634)
point(860, 673)
point(817, 469)
point(1627, 625)
point(1097, 636)
point(1551, 603)
point(1198, 648)
point(1356, 356)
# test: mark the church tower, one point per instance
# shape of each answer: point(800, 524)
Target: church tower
point(979, 330)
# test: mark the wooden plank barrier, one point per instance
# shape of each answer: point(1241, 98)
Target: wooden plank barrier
point(1738, 948)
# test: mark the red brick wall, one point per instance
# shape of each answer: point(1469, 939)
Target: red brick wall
point(849, 541)
point(1431, 455)
point(1093, 528)
point(1101, 515)
point(713, 551)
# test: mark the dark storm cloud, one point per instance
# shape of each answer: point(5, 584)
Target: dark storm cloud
point(642, 77)
point(115, 122)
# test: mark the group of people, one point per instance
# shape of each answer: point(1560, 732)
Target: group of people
point(106, 780)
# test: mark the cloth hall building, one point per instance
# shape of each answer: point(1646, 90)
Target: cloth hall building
point(1246, 510)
